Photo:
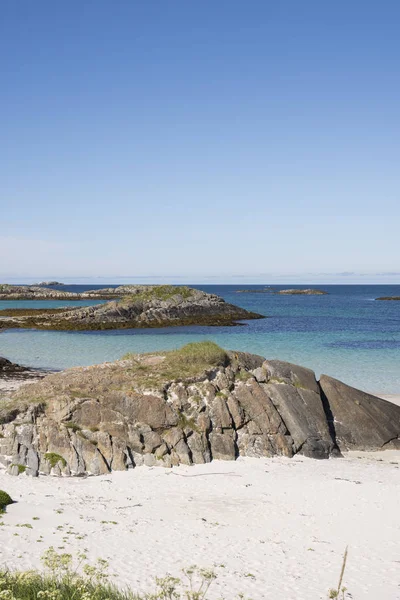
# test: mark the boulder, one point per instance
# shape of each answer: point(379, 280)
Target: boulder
point(359, 421)
point(116, 416)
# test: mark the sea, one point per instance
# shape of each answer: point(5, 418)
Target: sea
point(346, 334)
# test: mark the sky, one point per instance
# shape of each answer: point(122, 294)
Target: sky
point(214, 140)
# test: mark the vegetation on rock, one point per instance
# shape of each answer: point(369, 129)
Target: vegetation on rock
point(53, 458)
point(5, 500)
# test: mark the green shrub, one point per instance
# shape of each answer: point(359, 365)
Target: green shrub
point(21, 468)
point(201, 354)
point(5, 500)
point(54, 458)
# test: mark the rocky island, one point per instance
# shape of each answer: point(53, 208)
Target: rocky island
point(137, 306)
point(388, 298)
point(47, 283)
point(306, 292)
point(40, 292)
point(186, 406)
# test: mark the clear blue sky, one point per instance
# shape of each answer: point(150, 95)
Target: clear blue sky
point(193, 139)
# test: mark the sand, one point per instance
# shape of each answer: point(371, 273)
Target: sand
point(276, 527)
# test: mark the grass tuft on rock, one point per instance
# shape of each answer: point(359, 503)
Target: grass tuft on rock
point(5, 500)
point(191, 360)
point(54, 459)
point(198, 355)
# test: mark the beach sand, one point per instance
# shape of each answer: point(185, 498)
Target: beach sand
point(276, 527)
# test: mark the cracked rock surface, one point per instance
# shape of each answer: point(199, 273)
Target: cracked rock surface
point(137, 411)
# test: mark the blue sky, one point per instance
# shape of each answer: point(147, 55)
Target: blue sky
point(221, 140)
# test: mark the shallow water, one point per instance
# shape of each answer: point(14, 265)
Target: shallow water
point(345, 334)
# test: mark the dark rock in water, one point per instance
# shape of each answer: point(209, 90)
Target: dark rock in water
point(388, 298)
point(12, 376)
point(7, 367)
point(186, 406)
point(360, 421)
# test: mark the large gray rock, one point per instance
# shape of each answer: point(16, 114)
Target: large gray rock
point(295, 394)
point(359, 421)
point(111, 417)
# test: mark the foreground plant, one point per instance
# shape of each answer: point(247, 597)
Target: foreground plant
point(66, 579)
point(340, 591)
point(5, 500)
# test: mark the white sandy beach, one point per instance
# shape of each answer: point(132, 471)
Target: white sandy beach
point(277, 527)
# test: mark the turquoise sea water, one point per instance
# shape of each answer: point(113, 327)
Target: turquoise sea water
point(346, 334)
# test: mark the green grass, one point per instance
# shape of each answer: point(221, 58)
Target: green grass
point(70, 425)
point(185, 422)
point(186, 362)
point(243, 375)
point(30, 586)
point(5, 500)
point(21, 468)
point(64, 580)
point(54, 459)
point(159, 292)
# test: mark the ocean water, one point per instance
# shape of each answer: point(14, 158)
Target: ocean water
point(346, 334)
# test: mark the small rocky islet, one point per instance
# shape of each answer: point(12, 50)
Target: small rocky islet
point(288, 292)
point(389, 298)
point(186, 406)
point(139, 306)
point(299, 292)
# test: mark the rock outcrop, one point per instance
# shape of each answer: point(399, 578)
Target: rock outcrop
point(359, 421)
point(306, 292)
point(389, 298)
point(8, 368)
point(183, 407)
point(139, 307)
point(12, 376)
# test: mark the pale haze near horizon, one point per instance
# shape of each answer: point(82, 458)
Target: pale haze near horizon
point(200, 142)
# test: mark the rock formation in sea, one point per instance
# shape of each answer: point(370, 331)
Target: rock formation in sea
point(138, 307)
point(12, 376)
point(388, 298)
point(306, 292)
point(187, 406)
point(7, 367)
point(40, 292)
